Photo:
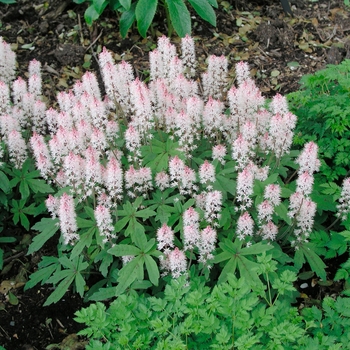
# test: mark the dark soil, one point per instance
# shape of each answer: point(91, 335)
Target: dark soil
point(279, 49)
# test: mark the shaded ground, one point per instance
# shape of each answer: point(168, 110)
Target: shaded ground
point(278, 48)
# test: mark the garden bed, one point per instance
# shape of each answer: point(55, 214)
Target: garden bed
point(278, 48)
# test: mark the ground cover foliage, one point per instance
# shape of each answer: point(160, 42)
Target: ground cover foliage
point(23, 197)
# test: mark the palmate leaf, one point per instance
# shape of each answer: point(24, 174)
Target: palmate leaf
point(47, 228)
point(124, 249)
point(129, 273)
point(307, 251)
point(60, 290)
point(46, 268)
point(67, 277)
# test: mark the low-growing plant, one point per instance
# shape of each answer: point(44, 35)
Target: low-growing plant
point(22, 199)
point(231, 315)
point(163, 178)
point(142, 12)
point(323, 110)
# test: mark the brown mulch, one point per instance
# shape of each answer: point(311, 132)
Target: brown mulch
point(279, 49)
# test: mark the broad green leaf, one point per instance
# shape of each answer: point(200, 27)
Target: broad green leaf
point(255, 249)
point(230, 267)
point(179, 16)
point(126, 4)
point(299, 259)
point(222, 257)
point(24, 221)
point(7, 239)
point(145, 11)
point(205, 10)
point(120, 224)
point(91, 15)
point(84, 241)
point(4, 182)
point(138, 235)
point(79, 284)
point(60, 275)
point(124, 249)
point(47, 227)
point(282, 213)
point(60, 290)
point(316, 263)
point(106, 260)
point(128, 274)
point(1, 259)
point(152, 269)
point(38, 185)
point(224, 184)
point(41, 275)
point(162, 215)
point(84, 223)
point(213, 3)
point(104, 294)
point(145, 213)
point(100, 5)
point(247, 269)
point(150, 245)
point(8, 2)
point(24, 189)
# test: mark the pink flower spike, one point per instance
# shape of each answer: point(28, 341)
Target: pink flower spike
point(269, 231)
point(273, 194)
point(305, 182)
point(52, 205)
point(114, 179)
point(213, 202)
point(67, 218)
point(162, 180)
point(17, 148)
point(191, 236)
point(207, 242)
point(165, 237)
point(7, 62)
point(242, 71)
point(265, 211)
point(177, 262)
point(104, 222)
point(132, 139)
point(188, 55)
point(344, 201)
point(245, 187)
point(41, 154)
point(206, 173)
point(176, 169)
point(190, 217)
point(90, 85)
point(219, 152)
point(245, 226)
point(279, 105)
point(308, 160)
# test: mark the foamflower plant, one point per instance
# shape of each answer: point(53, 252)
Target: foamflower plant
point(157, 179)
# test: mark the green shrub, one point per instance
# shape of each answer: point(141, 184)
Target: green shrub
point(323, 110)
point(231, 315)
point(142, 12)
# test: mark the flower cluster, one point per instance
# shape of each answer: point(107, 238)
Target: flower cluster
point(95, 149)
